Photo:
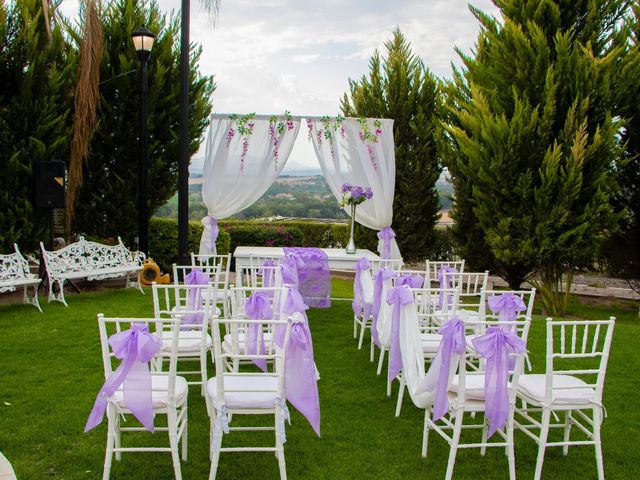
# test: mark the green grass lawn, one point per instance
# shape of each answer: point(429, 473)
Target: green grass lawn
point(50, 372)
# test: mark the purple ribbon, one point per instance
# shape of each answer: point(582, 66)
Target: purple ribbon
point(359, 306)
point(445, 283)
point(195, 278)
point(411, 280)
point(386, 234)
point(453, 342)
point(382, 276)
point(267, 274)
point(398, 296)
point(257, 307)
point(135, 347)
point(314, 278)
point(301, 383)
point(289, 268)
point(506, 306)
point(214, 233)
point(495, 346)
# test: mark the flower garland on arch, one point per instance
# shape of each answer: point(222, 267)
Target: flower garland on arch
point(244, 127)
point(370, 138)
point(277, 128)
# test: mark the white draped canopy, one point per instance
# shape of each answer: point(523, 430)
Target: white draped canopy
point(246, 153)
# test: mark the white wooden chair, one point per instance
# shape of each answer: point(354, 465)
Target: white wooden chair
point(576, 363)
point(218, 269)
point(246, 392)
point(169, 396)
point(471, 286)
point(467, 396)
point(362, 319)
point(194, 341)
point(433, 267)
point(255, 276)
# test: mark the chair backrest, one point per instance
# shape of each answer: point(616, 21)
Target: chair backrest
point(433, 267)
point(216, 266)
point(14, 266)
point(527, 296)
point(258, 260)
point(109, 326)
point(471, 285)
point(435, 306)
point(239, 296)
point(390, 263)
point(465, 388)
point(275, 357)
point(578, 348)
point(258, 276)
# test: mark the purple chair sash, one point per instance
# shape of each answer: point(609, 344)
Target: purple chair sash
point(267, 274)
point(411, 280)
point(257, 307)
point(398, 296)
point(194, 297)
point(301, 383)
point(506, 306)
point(135, 347)
point(359, 306)
point(386, 235)
point(314, 278)
point(382, 276)
point(453, 342)
point(445, 283)
point(495, 347)
point(289, 268)
point(214, 234)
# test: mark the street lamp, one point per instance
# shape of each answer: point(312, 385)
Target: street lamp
point(143, 42)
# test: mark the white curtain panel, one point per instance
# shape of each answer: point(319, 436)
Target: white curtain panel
point(360, 152)
point(244, 156)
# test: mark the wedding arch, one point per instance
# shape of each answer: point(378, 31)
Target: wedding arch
point(246, 153)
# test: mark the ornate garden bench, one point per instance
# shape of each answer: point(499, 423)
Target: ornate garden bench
point(14, 273)
point(90, 260)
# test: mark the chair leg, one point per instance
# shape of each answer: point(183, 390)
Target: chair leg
point(215, 449)
point(485, 431)
point(203, 372)
point(400, 395)
point(567, 432)
point(363, 327)
point(280, 446)
point(455, 439)
point(381, 360)
point(425, 432)
point(173, 442)
point(117, 436)
point(355, 327)
point(511, 455)
point(108, 456)
point(185, 432)
point(597, 422)
point(372, 351)
point(542, 442)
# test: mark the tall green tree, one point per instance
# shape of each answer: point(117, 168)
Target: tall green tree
point(37, 69)
point(107, 205)
point(535, 147)
point(401, 87)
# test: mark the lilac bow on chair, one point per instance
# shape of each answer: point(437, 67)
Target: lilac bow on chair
point(267, 274)
point(506, 306)
point(194, 300)
point(301, 383)
point(257, 307)
point(360, 307)
point(495, 347)
point(386, 235)
point(413, 281)
point(214, 234)
point(453, 342)
point(289, 268)
point(382, 276)
point(398, 296)
point(444, 282)
point(135, 347)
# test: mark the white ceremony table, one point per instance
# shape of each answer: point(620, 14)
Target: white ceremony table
point(338, 258)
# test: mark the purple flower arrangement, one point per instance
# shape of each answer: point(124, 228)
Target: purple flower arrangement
point(354, 194)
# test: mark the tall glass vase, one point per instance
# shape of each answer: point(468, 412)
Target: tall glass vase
point(351, 246)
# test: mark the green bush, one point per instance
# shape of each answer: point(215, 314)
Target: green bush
point(163, 241)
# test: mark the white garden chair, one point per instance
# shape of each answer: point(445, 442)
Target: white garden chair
point(433, 268)
point(363, 290)
point(169, 396)
point(193, 304)
point(471, 286)
point(217, 267)
point(577, 356)
point(255, 276)
point(247, 393)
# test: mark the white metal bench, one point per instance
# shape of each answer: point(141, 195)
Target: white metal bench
point(93, 261)
point(14, 273)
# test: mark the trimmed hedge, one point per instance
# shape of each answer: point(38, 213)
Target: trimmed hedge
point(163, 241)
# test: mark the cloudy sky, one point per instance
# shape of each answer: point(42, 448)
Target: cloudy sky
point(269, 56)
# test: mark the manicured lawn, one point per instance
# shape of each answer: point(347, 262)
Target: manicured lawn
point(50, 372)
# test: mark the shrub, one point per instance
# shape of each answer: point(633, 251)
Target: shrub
point(163, 241)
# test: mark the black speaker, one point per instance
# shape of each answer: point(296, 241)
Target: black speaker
point(49, 184)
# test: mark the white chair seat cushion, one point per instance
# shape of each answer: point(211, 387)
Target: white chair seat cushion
point(566, 389)
point(474, 386)
point(188, 341)
point(228, 341)
point(160, 392)
point(430, 342)
point(243, 392)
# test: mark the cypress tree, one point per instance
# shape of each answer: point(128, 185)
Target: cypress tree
point(36, 74)
point(534, 142)
point(107, 205)
point(402, 88)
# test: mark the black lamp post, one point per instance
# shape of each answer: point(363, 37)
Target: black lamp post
point(143, 42)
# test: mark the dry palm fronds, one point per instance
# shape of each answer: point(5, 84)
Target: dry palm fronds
point(86, 104)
